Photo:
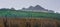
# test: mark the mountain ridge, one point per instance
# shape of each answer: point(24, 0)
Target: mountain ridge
point(37, 8)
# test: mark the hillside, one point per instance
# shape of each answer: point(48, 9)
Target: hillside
point(31, 12)
point(28, 14)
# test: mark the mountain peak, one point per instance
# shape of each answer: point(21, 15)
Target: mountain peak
point(38, 7)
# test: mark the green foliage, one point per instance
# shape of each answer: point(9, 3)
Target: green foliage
point(20, 14)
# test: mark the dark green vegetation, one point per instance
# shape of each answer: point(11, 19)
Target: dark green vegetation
point(22, 14)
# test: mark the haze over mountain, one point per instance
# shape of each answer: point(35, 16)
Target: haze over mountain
point(37, 8)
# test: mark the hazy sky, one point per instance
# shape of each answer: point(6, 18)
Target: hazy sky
point(18, 4)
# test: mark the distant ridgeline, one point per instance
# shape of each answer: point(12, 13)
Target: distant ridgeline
point(31, 12)
point(37, 8)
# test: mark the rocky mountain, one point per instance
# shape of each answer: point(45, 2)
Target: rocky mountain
point(37, 8)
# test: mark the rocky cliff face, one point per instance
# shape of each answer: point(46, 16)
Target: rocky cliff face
point(37, 8)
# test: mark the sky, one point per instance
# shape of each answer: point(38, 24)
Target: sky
point(18, 4)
